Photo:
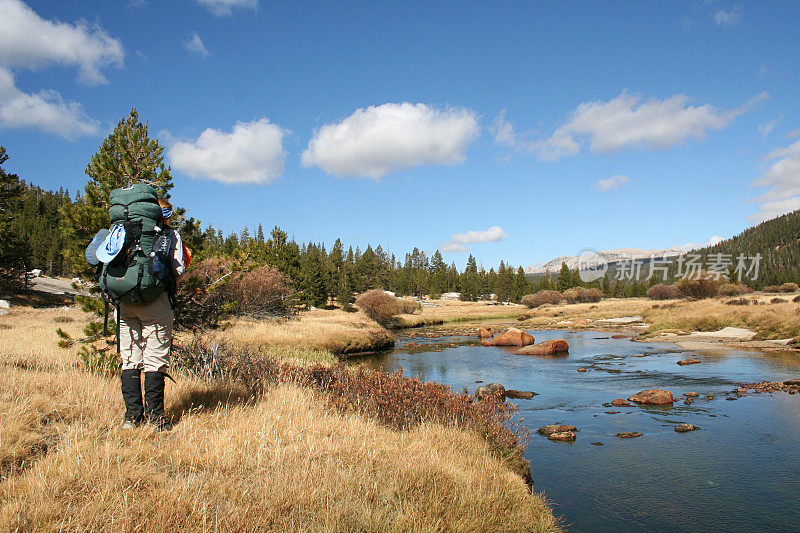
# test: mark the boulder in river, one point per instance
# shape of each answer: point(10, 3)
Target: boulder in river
point(620, 336)
point(689, 362)
point(619, 402)
point(493, 391)
point(511, 337)
point(683, 428)
point(564, 436)
point(653, 397)
point(520, 394)
point(545, 348)
point(691, 394)
point(629, 434)
point(485, 333)
point(555, 428)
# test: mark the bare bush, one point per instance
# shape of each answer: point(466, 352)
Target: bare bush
point(701, 285)
point(738, 301)
point(408, 307)
point(772, 288)
point(263, 291)
point(789, 287)
point(734, 289)
point(663, 292)
point(778, 301)
point(380, 306)
point(581, 295)
point(541, 298)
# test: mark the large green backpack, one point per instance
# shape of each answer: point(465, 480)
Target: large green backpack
point(129, 277)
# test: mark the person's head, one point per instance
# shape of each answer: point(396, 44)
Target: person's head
point(166, 211)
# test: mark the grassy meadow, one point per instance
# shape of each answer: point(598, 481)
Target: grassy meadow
point(283, 462)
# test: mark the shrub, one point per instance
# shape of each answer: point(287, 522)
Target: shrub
point(772, 288)
point(796, 299)
point(218, 287)
point(734, 289)
point(789, 287)
point(408, 307)
point(541, 298)
point(663, 292)
point(702, 285)
point(778, 301)
point(738, 301)
point(381, 307)
point(580, 294)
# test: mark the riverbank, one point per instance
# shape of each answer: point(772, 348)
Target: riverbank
point(284, 462)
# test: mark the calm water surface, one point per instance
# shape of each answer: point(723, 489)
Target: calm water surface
point(741, 471)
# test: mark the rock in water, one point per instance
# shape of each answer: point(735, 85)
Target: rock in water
point(691, 394)
point(520, 394)
point(652, 397)
point(689, 362)
point(545, 348)
point(491, 391)
point(555, 428)
point(619, 402)
point(511, 337)
point(485, 333)
point(629, 435)
point(565, 436)
point(683, 428)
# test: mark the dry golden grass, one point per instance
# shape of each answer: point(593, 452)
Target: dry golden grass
point(457, 311)
point(283, 463)
point(316, 334)
point(769, 321)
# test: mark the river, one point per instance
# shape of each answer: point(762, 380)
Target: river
point(740, 471)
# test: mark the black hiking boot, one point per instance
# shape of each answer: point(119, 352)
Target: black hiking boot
point(154, 400)
point(132, 396)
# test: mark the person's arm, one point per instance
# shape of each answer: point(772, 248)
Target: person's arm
point(176, 255)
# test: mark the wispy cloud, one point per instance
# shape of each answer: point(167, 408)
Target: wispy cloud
point(627, 121)
point(378, 140)
point(251, 153)
point(224, 8)
point(783, 180)
point(767, 128)
point(195, 45)
point(614, 182)
point(728, 18)
point(460, 242)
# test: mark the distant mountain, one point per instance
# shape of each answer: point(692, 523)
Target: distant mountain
point(776, 240)
point(611, 257)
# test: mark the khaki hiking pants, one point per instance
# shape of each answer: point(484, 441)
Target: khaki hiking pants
point(145, 334)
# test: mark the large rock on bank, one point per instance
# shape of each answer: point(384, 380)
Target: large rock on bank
point(555, 428)
point(491, 391)
point(545, 348)
point(653, 397)
point(485, 333)
point(511, 337)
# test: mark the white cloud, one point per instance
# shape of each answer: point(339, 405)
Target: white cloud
point(251, 153)
point(45, 110)
point(614, 182)
point(783, 180)
point(793, 134)
point(222, 8)
point(28, 41)
point(728, 18)
point(376, 141)
point(627, 122)
point(459, 242)
point(503, 130)
point(689, 246)
point(195, 45)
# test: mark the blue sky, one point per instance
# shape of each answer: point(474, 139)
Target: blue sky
point(519, 131)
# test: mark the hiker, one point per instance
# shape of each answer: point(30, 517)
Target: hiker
point(145, 338)
point(139, 261)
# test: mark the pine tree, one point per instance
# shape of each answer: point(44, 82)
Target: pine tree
point(469, 285)
point(128, 155)
point(564, 281)
point(14, 250)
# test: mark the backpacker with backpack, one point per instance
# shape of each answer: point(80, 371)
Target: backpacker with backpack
point(133, 264)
